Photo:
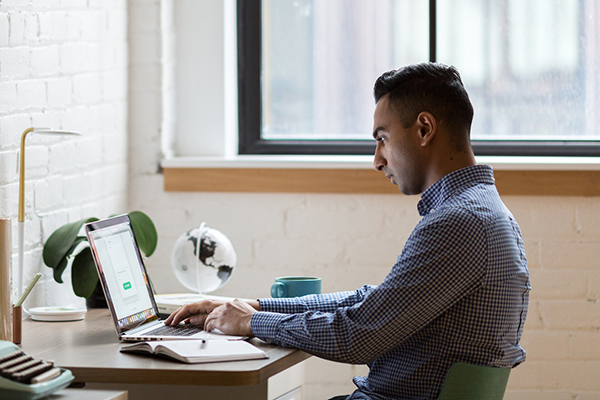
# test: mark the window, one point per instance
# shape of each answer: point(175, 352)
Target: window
point(306, 70)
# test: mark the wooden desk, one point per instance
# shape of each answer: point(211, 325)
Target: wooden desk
point(90, 349)
point(84, 394)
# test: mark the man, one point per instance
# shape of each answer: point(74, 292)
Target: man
point(459, 290)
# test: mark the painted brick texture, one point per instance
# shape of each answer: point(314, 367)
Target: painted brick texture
point(63, 65)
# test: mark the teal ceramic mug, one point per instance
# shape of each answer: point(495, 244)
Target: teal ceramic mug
point(295, 286)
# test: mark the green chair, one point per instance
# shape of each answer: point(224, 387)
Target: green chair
point(474, 382)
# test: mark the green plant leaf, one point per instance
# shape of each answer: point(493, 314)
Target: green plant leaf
point(63, 242)
point(60, 268)
point(83, 274)
point(144, 231)
point(60, 243)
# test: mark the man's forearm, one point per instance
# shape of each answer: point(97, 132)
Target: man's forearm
point(255, 304)
point(327, 302)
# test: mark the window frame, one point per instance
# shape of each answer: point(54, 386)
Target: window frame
point(250, 142)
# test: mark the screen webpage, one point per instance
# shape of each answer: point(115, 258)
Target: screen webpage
point(123, 272)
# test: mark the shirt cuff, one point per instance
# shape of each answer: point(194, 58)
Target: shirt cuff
point(265, 325)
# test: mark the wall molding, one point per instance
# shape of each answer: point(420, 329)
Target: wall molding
point(363, 181)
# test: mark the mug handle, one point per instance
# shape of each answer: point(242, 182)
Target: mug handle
point(278, 290)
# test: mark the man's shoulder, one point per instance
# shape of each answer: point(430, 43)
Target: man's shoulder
point(456, 222)
point(479, 201)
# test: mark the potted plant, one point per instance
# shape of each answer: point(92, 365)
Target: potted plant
point(66, 244)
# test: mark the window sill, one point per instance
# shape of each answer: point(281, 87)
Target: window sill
point(529, 176)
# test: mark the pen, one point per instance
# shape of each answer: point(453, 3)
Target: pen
point(28, 289)
point(204, 341)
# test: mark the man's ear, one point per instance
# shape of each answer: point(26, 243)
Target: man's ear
point(427, 127)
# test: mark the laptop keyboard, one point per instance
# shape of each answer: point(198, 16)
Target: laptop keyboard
point(177, 330)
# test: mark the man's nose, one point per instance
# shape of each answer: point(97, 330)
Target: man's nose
point(378, 160)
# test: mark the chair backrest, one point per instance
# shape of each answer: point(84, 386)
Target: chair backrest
point(474, 382)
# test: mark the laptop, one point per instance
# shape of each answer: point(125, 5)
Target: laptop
point(127, 286)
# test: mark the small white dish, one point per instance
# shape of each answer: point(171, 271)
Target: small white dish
point(57, 313)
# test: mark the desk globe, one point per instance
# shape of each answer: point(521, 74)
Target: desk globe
point(203, 259)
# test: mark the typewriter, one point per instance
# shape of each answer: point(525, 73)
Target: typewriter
point(23, 377)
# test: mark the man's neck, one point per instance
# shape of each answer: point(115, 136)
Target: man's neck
point(449, 163)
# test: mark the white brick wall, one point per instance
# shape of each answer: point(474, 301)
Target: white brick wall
point(562, 329)
point(63, 64)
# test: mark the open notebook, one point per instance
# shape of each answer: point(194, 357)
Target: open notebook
point(195, 352)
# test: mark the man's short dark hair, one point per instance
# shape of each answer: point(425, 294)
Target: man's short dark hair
point(431, 87)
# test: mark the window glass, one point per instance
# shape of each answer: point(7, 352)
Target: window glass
point(531, 67)
point(321, 58)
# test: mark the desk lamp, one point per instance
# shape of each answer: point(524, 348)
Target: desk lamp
point(20, 288)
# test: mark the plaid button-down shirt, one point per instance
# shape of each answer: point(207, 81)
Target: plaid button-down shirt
point(458, 293)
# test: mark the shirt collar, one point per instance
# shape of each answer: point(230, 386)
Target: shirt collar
point(445, 187)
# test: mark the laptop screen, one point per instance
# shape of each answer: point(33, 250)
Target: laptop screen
point(122, 272)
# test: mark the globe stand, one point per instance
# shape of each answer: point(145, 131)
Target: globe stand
point(198, 255)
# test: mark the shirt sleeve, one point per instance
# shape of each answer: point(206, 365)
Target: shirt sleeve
point(443, 260)
point(316, 302)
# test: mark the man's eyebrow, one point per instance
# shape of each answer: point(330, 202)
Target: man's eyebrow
point(376, 132)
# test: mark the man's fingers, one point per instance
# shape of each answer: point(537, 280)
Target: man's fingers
point(174, 318)
point(183, 313)
point(169, 319)
point(207, 327)
point(186, 312)
point(212, 319)
point(208, 323)
point(197, 319)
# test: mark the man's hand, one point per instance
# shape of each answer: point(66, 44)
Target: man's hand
point(194, 313)
point(197, 314)
point(232, 318)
